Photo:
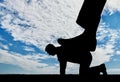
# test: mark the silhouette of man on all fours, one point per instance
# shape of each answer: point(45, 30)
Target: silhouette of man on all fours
point(77, 49)
point(62, 58)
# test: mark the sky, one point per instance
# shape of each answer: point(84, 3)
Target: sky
point(27, 26)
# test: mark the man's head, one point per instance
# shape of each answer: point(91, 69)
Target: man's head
point(50, 49)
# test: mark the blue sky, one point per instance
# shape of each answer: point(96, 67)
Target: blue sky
point(112, 20)
point(27, 26)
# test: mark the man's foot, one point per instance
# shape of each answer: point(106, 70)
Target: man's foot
point(103, 69)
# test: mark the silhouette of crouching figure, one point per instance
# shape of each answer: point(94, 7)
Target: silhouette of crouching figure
point(64, 55)
point(52, 50)
point(62, 58)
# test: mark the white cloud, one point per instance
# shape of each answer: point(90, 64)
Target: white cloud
point(105, 51)
point(102, 55)
point(47, 19)
point(4, 46)
point(72, 68)
point(113, 5)
point(27, 63)
point(113, 71)
point(118, 52)
point(38, 56)
point(28, 48)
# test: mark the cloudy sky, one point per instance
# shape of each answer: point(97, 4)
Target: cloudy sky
point(27, 26)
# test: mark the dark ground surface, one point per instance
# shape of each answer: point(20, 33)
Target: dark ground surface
point(50, 78)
